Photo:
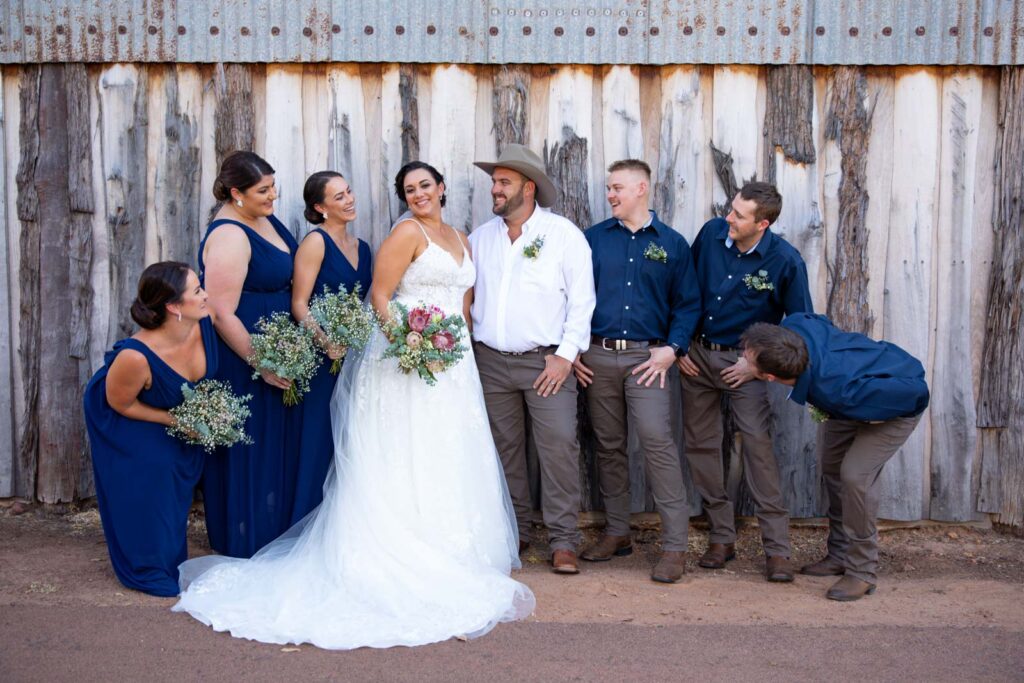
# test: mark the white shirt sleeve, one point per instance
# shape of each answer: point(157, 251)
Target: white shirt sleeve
point(578, 274)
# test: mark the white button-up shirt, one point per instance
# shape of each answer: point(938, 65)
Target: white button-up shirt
point(521, 303)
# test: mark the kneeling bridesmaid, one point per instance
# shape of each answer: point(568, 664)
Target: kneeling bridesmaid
point(145, 477)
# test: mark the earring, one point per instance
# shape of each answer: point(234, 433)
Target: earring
point(239, 202)
point(324, 215)
point(179, 316)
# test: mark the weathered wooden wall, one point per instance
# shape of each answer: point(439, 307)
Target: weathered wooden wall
point(890, 178)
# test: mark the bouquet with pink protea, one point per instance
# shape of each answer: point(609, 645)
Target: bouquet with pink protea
point(424, 339)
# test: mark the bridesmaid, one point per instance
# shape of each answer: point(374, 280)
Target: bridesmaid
point(145, 478)
point(246, 263)
point(328, 257)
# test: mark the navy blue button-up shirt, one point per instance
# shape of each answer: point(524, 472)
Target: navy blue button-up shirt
point(738, 290)
point(642, 297)
point(852, 377)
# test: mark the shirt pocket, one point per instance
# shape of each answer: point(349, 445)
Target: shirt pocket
point(541, 276)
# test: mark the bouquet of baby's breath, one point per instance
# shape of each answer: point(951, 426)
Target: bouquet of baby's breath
point(211, 415)
point(288, 351)
point(424, 339)
point(343, 318)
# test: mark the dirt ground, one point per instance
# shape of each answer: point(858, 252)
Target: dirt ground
point(930, 576)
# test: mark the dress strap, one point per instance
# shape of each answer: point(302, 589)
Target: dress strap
point(422, 229)
point(459, 238)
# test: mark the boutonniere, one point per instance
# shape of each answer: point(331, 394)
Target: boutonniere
point(654, 252)
point(532, 250)
point(759, 282)
point(817, 414)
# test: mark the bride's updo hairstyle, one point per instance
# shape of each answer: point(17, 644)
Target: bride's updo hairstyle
point(416, 166)
point(161, 284)
point(239, 170)
point(313, 194)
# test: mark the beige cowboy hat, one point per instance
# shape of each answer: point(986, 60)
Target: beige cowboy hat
point(525, 161)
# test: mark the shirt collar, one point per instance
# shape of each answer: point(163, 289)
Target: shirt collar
point(651, 223)
point(531, 223)
point(802, 386)
point(762, 244)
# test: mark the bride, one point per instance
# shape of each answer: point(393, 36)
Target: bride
point(415, 537)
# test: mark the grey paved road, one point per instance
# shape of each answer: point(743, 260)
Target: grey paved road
point(87, 643)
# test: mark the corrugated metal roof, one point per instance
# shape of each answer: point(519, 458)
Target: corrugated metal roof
point(510, 31)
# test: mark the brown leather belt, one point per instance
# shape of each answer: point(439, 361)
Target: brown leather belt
point(623, 344)
point(713, 346)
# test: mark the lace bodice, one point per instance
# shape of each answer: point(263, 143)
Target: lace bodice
point(436, 278)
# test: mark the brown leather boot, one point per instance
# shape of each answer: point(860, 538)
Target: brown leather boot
point(848, 589)
point(670, 567)
point(608, 547)
point(717, 555)
point(826, 566)
point(778, 569)
point(564, 562)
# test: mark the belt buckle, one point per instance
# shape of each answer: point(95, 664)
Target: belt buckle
point(620, 344)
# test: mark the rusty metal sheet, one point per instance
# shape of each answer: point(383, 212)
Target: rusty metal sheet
point(515, 31)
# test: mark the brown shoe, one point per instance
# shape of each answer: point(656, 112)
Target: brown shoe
point(827, 566)
point(778, 569)
point(608, 547)
point(849, 588)
point(670, 567)
point(717, 555)
point(564, 562)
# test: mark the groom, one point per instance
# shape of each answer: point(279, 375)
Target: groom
point(533, 300)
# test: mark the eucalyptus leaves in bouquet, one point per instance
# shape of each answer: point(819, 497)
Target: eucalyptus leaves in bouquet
point(287, 350)
point(344, 319)
point(210, 415)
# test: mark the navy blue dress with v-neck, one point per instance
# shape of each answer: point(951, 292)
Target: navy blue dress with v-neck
point(248, 490)
point(145, 478)
point(316, 443)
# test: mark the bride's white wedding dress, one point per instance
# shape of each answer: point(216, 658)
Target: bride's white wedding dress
point(415, 538)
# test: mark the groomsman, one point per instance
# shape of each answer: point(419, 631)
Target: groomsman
point(870, 396)
point(648, 305)
point(534, 296)
point(747, 274)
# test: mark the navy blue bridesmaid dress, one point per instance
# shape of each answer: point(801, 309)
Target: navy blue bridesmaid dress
point(248, 490)
point(316, 443)
point(145, 478)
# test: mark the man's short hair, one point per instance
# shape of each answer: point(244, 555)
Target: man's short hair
point(631, 165)
point(767, 198)
point(776, 350)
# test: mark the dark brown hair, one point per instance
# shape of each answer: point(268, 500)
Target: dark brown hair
point(767, 198)
point(631, 165)
point(314, 192)
point(416, 166)
point(239, 170)
point(160, 284)
point(776, 350)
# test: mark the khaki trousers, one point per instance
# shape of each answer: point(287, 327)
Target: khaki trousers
point(509, 394)
point(852, 456)
point(612, 397)
point(702, 426)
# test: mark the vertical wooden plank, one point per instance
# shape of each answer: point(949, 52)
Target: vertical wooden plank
point(879, 179)
point(373, 222)
point(599, 160)
point(392, 138)
point(682, 191)
point(736, 125)
point(60, 422)
point(1001, 395)
point(954, 435)
point(347, 141)
point(101, 283)
point(26, 461)
point(567, 143)
point(234, 116)
point(316, 108)
point(156, 104)
point(124, 125)
point(620, 101)
point(12, 85)
point(502, 97)
point(208, 158)
point(540, 97)
point(452, 148)
point(650, 122)
point(791, 162)
point(909, 271)
point(7, 442)
point(285, 149)
point(79, 249)
point(419, 99)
